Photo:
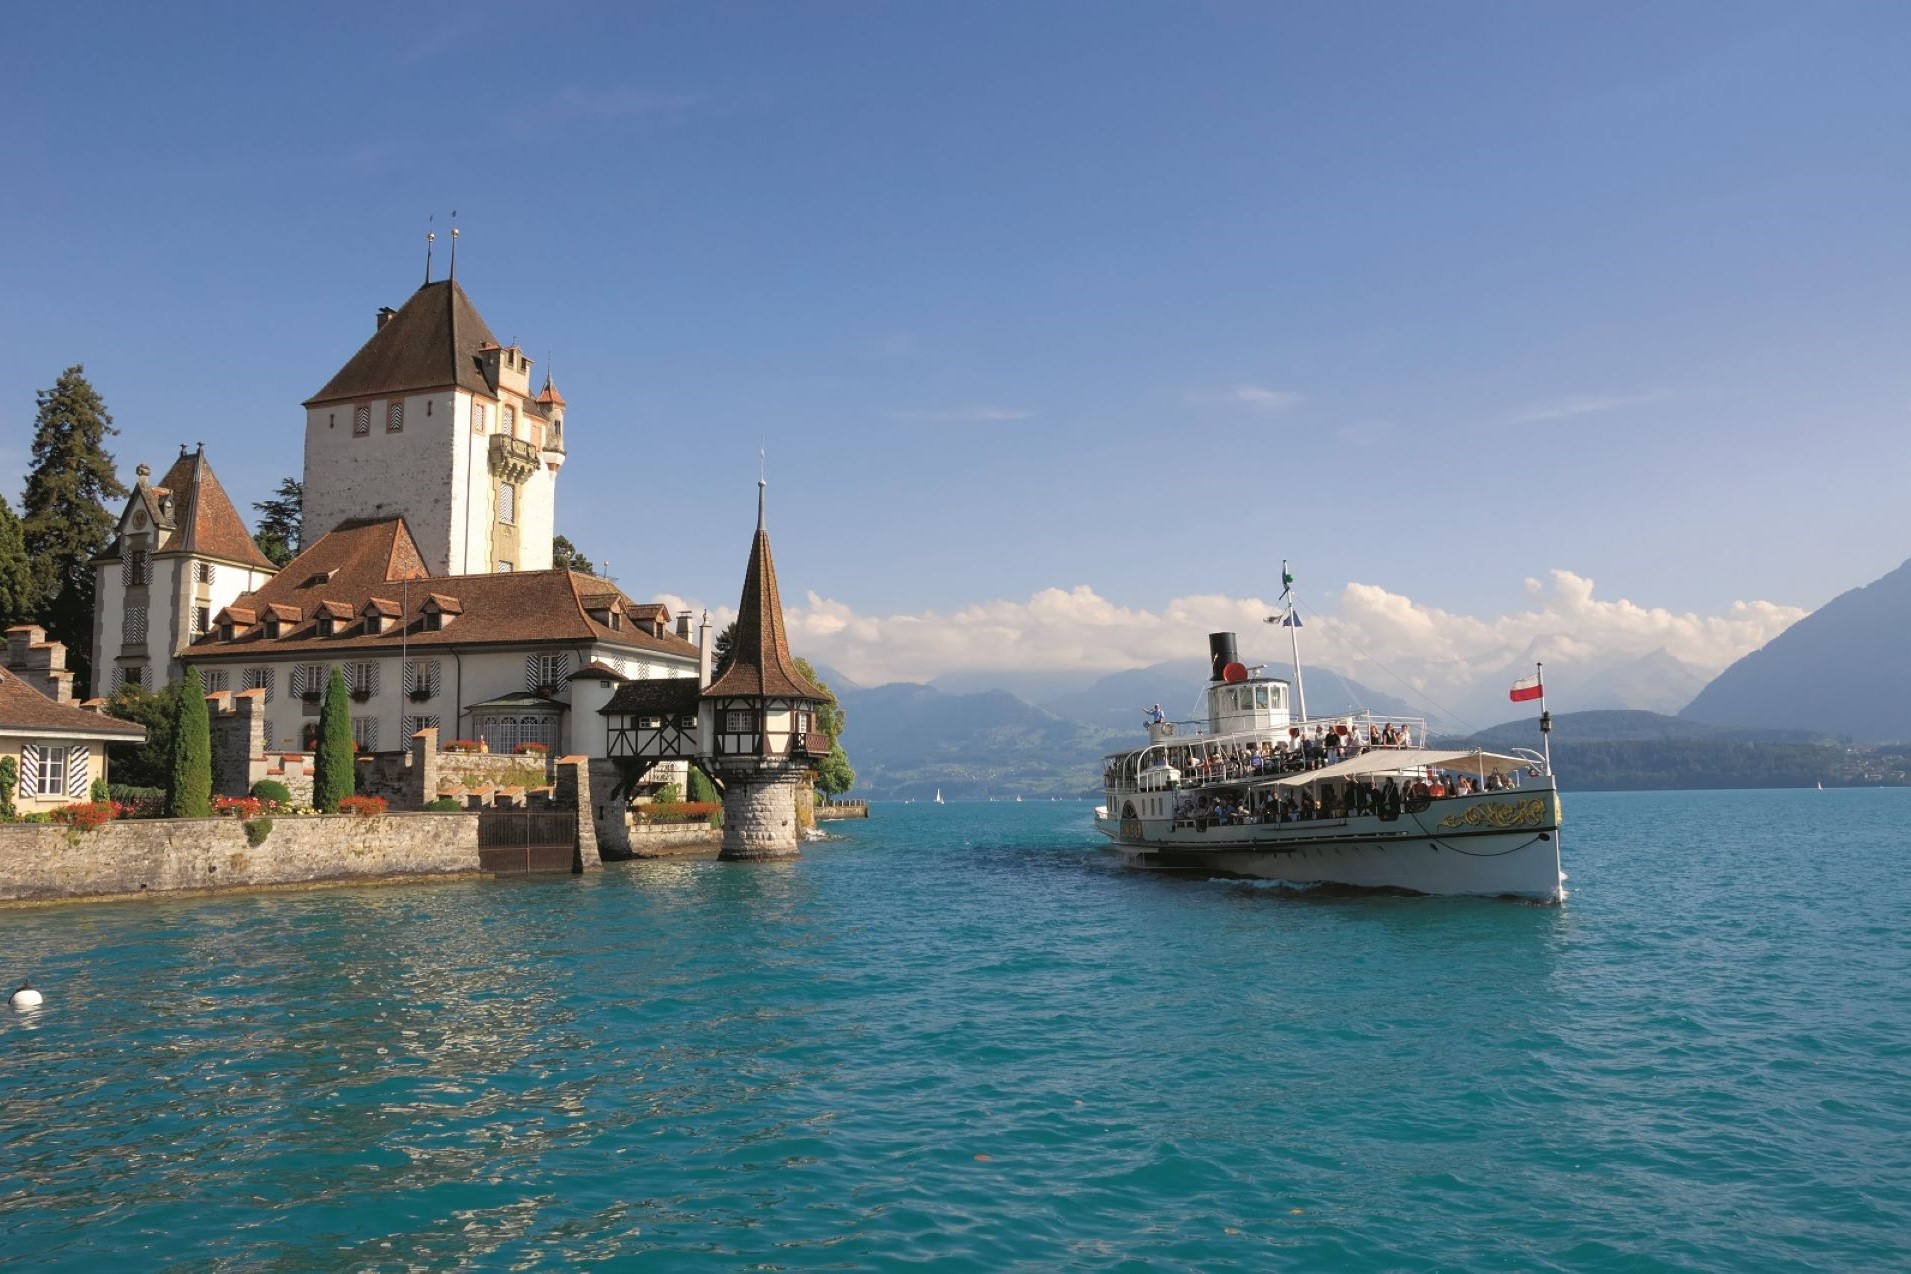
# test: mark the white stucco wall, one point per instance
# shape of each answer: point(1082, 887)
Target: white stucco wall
point(384, 474)
point(486, 675)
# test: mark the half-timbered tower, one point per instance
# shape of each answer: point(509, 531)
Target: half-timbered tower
point(760, 718)
point(752, 730)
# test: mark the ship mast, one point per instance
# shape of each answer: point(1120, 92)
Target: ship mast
point(1292, 621)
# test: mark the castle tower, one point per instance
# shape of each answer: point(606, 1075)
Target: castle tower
point(758, 719)
point(434, 421)
point(180, 554)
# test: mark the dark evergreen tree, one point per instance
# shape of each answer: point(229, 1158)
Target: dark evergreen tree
point(565, 557)
point(17, 594)
point(189, 787)
point(332, 776)
point(721, 650)
point(147, 764)
point(281, 532)
point(66, 523)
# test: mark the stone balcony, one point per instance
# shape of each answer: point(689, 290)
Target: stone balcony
point(513, 459)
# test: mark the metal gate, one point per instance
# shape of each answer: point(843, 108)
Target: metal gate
point(521, 841)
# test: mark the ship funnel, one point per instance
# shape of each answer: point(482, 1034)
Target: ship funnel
point(1220, 654)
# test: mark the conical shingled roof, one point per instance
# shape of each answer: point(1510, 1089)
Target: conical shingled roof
point(432, 342)
point(760, 660)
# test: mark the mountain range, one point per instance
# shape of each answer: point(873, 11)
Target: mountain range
point(1637, 721)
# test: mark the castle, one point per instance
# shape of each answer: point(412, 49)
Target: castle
point(430, 491)
point(431, 481)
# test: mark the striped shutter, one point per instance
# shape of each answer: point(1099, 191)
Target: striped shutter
point(79, 779)
point(29, 770)
point(530, 672)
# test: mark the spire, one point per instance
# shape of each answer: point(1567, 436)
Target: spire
point(549, 393)
point(760, 659)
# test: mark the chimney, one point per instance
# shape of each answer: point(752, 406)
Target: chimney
point(1220, 653)
point(38, 662)
point(683, 626)
point(705, 650)
point(385, 313)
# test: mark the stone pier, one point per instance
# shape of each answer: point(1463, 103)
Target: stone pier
point(759, 809)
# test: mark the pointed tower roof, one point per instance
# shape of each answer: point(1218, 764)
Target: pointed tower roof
point(549, 394)
point(760, 660)
point(432, 342)
point(203, 520)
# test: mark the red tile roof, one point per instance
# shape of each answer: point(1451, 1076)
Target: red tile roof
point(24, 710)
point(348, 569)
point(204, 520)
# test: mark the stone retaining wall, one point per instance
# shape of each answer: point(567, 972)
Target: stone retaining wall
point(673, 840)
point(47, 862)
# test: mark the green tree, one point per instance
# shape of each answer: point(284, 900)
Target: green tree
point(189, 786)
point(565, 557)
point(281, 530)
point(147, 764)
point(721, 650)
point(66, 523)
point(703, 790)
point(18, 598)
point(332, 776)
point(834, 776)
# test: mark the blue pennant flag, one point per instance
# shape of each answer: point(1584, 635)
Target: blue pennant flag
point(1292, 620)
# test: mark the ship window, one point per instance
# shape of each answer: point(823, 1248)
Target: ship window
point(1260, 696)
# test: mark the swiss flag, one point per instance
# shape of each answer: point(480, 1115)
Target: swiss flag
point(1526, 688)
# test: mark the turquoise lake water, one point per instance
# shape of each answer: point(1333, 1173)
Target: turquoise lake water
point(962, 1036)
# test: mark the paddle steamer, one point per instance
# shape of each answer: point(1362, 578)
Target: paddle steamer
point(1257, 789)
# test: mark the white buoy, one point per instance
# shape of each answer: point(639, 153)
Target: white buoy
point(26, 997)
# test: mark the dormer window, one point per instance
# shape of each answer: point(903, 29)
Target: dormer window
point(327, 626)
point(616, 619)
point(272, 628)
point(226, 630)
point(438, 611)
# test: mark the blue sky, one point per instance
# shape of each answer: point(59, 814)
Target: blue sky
point(1135, 298)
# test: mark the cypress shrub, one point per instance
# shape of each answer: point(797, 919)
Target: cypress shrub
point(704, 792)
point(189, 786)
point(332, 776)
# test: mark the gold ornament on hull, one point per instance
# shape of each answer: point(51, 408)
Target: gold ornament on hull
point(1499, 814)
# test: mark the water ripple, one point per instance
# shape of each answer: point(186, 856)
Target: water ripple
point(961, 1037)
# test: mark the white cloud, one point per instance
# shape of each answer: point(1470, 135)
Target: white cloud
point(1444, 655)
point(1582, 405)
point(1256, 397)
point(962, 415)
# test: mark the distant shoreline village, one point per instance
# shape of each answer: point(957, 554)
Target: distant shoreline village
point(545, 718)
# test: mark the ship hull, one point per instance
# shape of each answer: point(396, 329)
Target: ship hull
point(1490, 845)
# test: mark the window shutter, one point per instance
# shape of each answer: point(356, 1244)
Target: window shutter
point(530, 673)
point(29, 769)
point(78, 758)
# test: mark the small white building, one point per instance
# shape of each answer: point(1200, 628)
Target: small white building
point(179, 555)
point(58, 748)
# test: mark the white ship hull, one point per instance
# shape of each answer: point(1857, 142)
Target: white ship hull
point(1493, 844)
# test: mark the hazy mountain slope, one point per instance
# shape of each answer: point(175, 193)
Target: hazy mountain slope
point(907, 740)
point(1841, 669)
point(1180, 687)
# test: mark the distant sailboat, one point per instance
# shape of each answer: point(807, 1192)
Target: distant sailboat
point(939, 799)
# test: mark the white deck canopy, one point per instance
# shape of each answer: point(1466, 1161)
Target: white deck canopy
point(1391, 760)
